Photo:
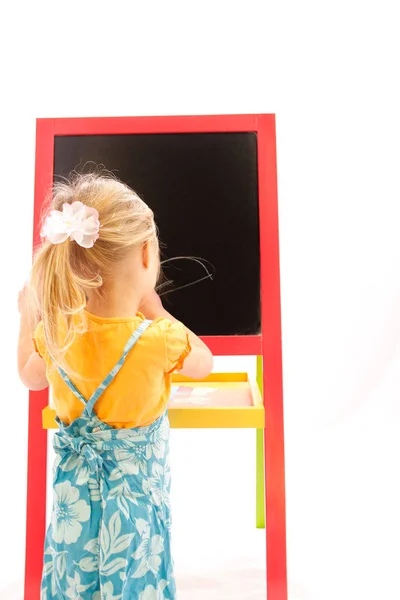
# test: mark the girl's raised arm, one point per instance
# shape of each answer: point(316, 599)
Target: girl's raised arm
point(199, 363)
point(31, 367)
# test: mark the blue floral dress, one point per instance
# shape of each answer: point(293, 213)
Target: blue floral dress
point(109, 537)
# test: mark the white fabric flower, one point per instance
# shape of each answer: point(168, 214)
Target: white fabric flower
point(68, 513)
point(76, 221)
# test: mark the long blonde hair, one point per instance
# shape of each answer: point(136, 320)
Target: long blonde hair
point(62, 274)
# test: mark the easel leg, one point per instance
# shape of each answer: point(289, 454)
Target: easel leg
point(36, 496)
point(275, 509)
point(260, 479)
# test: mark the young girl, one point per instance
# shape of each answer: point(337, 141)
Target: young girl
point(108, 349)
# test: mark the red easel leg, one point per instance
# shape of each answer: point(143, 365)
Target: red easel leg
point(36, 495)
point(275, 516)
point(272, 360)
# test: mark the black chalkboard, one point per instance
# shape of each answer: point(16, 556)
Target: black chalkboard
point(203, 188)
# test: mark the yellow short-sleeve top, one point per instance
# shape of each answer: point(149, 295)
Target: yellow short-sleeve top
point(139, 393)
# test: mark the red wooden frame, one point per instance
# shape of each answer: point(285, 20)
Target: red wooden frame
point(268, 344)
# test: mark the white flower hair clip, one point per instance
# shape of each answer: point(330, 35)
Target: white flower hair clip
point(76, 221)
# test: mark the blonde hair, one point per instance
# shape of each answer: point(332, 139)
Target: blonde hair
point(62, 274)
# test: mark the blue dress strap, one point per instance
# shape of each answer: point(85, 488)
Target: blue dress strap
point(89, 404)
point(110, 377)
point(71, 386)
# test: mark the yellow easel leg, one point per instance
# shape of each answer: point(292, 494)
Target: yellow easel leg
point(260, 482)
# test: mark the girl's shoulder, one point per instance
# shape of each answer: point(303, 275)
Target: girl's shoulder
point(173, 331)
point(170, 337)
point(176, 339)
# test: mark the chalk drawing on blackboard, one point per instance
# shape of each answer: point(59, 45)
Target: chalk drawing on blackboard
point(167, 286)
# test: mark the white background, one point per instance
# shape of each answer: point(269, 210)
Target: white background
point(329, 70)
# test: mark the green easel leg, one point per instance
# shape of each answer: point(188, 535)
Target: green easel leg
point(260, 482)
point(260, 493)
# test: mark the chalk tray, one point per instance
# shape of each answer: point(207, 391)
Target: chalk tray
point(221, 400)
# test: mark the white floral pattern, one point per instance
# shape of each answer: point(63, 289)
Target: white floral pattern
point(132, 462)
point(75, 587)
point(109, 537)
point(76, 461)
point(69, 512)
point(151, 593)
point(107, 593)
point(159, 440)
point(149, 551)
point(158, 485)
point(128, 507)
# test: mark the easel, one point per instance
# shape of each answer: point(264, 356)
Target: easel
point(266, 417)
